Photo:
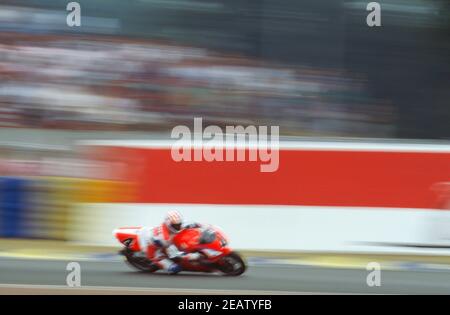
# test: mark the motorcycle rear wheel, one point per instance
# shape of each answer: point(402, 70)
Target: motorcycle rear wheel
point(138, 263)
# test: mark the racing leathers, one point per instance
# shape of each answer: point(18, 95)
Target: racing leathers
point(156, 245)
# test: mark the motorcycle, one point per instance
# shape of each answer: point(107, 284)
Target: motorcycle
point(210, 242)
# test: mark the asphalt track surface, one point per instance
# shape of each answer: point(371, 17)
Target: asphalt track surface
point(117, 278)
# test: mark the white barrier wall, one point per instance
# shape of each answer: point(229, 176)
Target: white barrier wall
point(282, 228)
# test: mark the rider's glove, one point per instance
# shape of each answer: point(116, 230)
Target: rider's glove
point(157, 242)
point(192, 226)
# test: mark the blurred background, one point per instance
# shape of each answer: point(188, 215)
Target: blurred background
point(312, 67)
point(137, 68)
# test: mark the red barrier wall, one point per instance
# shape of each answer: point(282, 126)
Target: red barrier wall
point(305, 177)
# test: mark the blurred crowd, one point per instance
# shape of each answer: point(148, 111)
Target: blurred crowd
point(314, 69)
point(114, 84)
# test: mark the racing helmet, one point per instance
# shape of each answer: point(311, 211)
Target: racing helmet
point(174, 221)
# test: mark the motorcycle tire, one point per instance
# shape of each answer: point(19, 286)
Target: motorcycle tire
point(138, 263)
point(232, 265)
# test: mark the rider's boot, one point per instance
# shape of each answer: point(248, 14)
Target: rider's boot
point(169, 266)
point(174, 269)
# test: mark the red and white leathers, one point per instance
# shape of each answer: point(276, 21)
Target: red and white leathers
point(156, 244)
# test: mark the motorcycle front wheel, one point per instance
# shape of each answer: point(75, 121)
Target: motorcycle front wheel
point(232, 265)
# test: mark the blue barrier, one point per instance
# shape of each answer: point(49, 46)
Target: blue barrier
point(13, 205)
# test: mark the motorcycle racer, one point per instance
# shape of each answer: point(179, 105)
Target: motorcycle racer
point(156, 243)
